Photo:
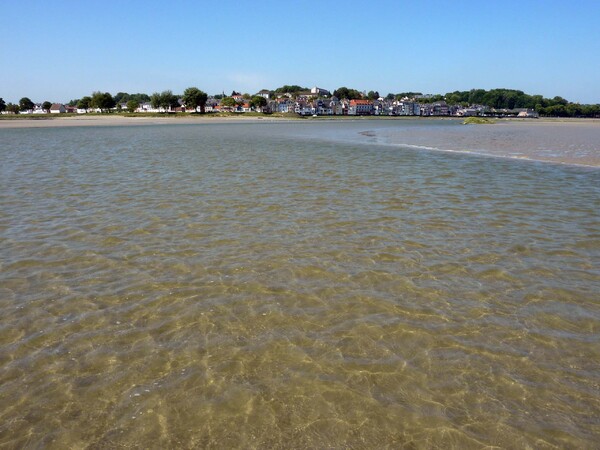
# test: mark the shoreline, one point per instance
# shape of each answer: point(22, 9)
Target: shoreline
point(108, 120)
point(118, 120)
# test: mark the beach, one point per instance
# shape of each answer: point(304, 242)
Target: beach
point(123, 120)
point(115, 120)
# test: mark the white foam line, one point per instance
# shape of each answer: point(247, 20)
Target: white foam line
point(481, 153)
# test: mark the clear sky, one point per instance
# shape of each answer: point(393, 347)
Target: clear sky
point(61, 50)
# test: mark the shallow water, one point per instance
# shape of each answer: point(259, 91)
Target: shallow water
point(567, 142)
point(235, 285)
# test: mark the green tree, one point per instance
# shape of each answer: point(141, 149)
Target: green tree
point(84, 103)
point(373, 95)
point(194, 98)
point(291, 89)
point(258, 102)
point(132, 105)
point(591, 110)
point(140, 97)
point(401, 95)
point(164, 99)
point(2, 105)
point(559, 101)
point(46, 106)
point(121, 97)
point(556, 111)
point(456, 97)
point(155, 100)
point(25, 104)
point(103, 101)
point(228, 102)
point(574, 110)
point(11, 107)
point(476, 96)
point(345, 93)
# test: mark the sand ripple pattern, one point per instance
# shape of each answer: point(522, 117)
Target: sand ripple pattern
point(229, 286)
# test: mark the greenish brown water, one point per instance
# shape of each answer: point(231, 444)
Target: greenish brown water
point(240, 286)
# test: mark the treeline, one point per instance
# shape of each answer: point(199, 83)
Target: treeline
point(105, 102)
point(515, 99)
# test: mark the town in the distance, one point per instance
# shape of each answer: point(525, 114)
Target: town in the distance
point(301, 101)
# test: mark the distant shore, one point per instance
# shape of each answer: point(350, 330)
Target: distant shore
point(52, 121)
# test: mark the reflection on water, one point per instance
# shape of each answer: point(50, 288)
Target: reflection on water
point(229, 286)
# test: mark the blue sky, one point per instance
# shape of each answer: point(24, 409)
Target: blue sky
point(61, 50)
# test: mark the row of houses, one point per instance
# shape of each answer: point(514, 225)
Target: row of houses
point(383, 107)
point(317, 102)
point(363, 107)
point(56, 108)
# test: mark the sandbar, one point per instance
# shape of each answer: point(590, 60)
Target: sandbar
point(52, 121)
point(109, 120)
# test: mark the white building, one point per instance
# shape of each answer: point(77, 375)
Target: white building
point(58, 108)
point(320, 91)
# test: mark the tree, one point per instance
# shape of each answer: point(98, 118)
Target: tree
point(103, 101)
point(11, 107)
point(121, 97)
point(164, 99)
point(46, 106)
point(84, 103)
point(2, 105)
point(139, 97)
point(574, 110)
point(25, 104)
point(373, 95)
point(228, 102)
point(258, 102)
point(155, 100)
point(559, 101)
point(556, 111)
point(348, 94)
point(194, 98)
point(591, 110)
point(402, 95)
point(287, 89)
point(132, 105)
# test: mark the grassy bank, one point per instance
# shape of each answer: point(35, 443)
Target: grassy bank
point(478, 121)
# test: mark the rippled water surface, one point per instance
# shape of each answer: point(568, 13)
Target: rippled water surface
point(237, 285)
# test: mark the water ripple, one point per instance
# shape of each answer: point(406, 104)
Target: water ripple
point(238, 286)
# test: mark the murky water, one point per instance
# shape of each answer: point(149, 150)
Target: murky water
point(238, 286)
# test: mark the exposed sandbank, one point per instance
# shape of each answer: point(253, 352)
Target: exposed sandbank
point(109, 120)
point(118, 120)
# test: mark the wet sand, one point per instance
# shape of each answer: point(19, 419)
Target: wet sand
point(94, 120)
point(109, 120)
